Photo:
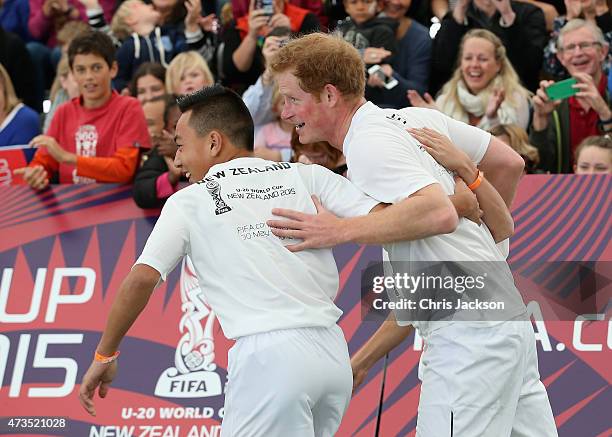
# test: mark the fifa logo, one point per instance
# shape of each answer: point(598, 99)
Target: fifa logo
point(214, 189)
point(193, 374)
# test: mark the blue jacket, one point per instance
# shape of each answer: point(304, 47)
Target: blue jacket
point(21, 125)
point(160, 46)
point(14, 16)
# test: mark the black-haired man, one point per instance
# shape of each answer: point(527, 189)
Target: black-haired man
point(289, 370)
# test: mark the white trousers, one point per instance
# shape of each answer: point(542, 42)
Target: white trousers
point(483, 382)
point(288, 383)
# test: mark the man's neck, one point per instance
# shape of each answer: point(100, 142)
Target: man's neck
point(93, 104)
point(343, 122)
point(238, 153)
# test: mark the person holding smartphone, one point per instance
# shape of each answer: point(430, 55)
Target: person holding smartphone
point(560, 125)
point(242, 60)
point(258, 97)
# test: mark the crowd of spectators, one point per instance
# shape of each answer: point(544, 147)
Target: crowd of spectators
point(92, 83)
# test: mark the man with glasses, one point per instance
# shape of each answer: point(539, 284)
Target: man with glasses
point(560, 125)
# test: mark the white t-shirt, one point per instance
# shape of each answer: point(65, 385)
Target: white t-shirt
point(388, 164)
point(250, 280)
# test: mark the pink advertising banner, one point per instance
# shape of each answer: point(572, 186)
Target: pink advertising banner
point(64, 252)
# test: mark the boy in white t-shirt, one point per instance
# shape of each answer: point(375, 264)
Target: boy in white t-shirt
point(289, 372)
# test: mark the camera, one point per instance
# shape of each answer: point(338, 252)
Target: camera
point(389, 82)
point(266, 5)
point(283, 32)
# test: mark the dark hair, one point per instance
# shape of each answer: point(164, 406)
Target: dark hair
point(171, 103)
point(219, 108)
point(332, 155)
point(92, 42)
point(147, 68)
point(281, 31)
point(177, 15)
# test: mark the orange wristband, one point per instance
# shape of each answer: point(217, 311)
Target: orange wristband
point(476, 182)
point(105, 360)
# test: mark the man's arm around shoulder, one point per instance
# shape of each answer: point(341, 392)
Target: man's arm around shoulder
point(425, 213)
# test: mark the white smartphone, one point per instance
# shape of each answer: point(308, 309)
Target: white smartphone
point(389, 82)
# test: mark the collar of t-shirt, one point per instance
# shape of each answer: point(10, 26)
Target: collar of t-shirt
point(583, 123)
point(114, 94)
point(233, 162)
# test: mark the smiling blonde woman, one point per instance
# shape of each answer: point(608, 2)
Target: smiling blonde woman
point(484, 90)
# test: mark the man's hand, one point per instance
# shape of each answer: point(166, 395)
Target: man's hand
point(374, 55)
point(416, 100)
point(589, 96)
point(194, 11)
point(360, 371)
point(320, 230)
point(54, 149)
point(98, 375)
point(36, 177)
point(542, 106)
point(375, 81)
point(270, 47)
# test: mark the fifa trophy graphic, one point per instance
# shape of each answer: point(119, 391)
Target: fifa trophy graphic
point(193, 374)
point(214, 189)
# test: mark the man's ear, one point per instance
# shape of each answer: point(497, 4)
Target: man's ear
point(216, 143)
point(114, 69)
point(605, 48)
point(330, 95)
point(559, 56)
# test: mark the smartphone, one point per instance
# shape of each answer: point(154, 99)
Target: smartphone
point(389, 82)
point(266, 5)
point(562, 89)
